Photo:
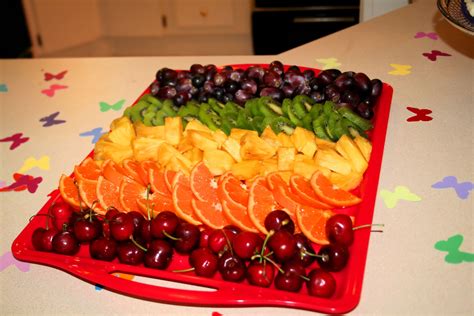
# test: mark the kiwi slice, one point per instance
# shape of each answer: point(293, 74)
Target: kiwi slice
point(217, 106)
point(293, 118)
point(316, 110)
point(229, 121)
point(298, 109)
point(244, 119)
point(190, 109)
point(307, 122)
point(253, 107)
point(282, 124)
point(208, 117)
point(319, 127)
point(148, 118)
point(285, 106)
point(231, 107)
point(257, 123)
point(304, 100)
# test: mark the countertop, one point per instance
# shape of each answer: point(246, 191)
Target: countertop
point(422, 264)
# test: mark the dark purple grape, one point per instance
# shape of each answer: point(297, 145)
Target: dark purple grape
point(197, 69)
point(184, 74)
point(198, 80)
point(154, 88)
point(277, 67)
point(376, 87)
point(167, 92)
point(228, 68)
point(227, 97)
point(303, 89)
point(219, 79)
point(294, 68)
point(349, 73)
point(231, 86)
point(288, 90)
point(242, 95)
point(295, 79)
point(219, 92)
point(256, 73)
point(202, 97)
point(362, 82)
point(272, 92)
point(210, 67)
point(184, 84)
point(181, 98)
point(328, 76)
point(332, 93)
point(344, 82)
point(169, 76)
point(249, 85)
point(209, 87)
point(365, 111)
point(315, 84)
point(236, 75)
point(318, 96)
point(209, 74)
point(272, 79)
point(351, 97)
point(308, 74)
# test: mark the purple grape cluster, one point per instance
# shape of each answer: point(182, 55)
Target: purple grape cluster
point(200, 83)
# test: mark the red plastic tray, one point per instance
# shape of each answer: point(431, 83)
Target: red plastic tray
point(218, 292)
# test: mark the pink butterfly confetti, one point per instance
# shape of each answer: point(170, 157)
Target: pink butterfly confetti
point(420, 114)
point(7, 260)
point(52, 89)
point(49, 76)
point(431, 35)
point(16, 140)
point(434, 54)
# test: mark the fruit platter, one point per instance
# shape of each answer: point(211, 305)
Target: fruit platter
point(255, 182)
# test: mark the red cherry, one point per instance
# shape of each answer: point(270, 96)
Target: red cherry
point(37, 238)
point(158, 254)
point(292, 277)
point(221, 240)
point(164, 224)
point(260, 273)
point(339, 229)
point(87, 230)
point(283, 245)
point(321, 283)
point(121, 227)
point(65, 243)
point(129, 253)
point(61, 213)
point(333, 257)
point(246, 244)
point(47, 239)
point(103, 248)
point(204, 262)
point(186, 237)
point(204, 237)
point(279, 220)
point(231, 267)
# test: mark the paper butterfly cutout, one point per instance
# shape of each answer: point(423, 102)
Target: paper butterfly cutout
point(462, 189)
point(329, 63)
point(401, 193)
point(434, 54)
point(451, 246)
point(23, 182)
point(3, 88)
point(50, 120)
point(420, 114)
point(52, 89)
point(431, 35)
point(400, 70)
point(31, 162)
point(96, 133)
point(104, 106)
point(16, 140)
point(7, 260)
point(48, 76)
point(125, 276)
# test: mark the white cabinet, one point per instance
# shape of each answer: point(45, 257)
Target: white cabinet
point(372, 8)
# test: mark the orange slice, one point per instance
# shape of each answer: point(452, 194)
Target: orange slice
point(181, 197)
point(147, 166)
point(238, 215)
point(210, 213)
point(301, 187)
point(261, 203)
point(134, 170)
point(88, 169)
point(108, 194)
point(88, 193)
point(156, 202)
point(312, 223)
point(169, 177)
point(130, 192)
point(158, 182)
point(331, 194)
point(233, 190)
point(203, 184)
point(69, 192)
point(113, 172)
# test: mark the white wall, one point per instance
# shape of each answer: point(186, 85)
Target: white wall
point(373, 8)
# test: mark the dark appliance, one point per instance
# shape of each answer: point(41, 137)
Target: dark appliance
point(280, 25)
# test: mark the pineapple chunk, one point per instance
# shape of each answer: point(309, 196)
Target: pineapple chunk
point(268, 166)
point(286, 158)
point(253, 147)
point(304, 141)
point(122, 131)
point(105, 149)
point(194, 155)
point(330, 159)
point(220, 137)
point(196, 125)
point(165, 153)
point(270, 137)
point(285, 140)
point(202, 140)
point(238, 133)
point(285, 175)
point(324, 144)
point(218, 161)
point(145, 148)
point(149, 131)
point(232, 146)
point(305, 168)
point(185, 144)
point(364, 145)
point(176, 163)
point(246, 169)
point(352, 154)
point(173, 130)
point(346, 182)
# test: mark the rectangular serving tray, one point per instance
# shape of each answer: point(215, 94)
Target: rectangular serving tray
point(217, 292)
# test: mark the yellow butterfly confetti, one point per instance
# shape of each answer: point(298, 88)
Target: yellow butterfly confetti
point(400, 70)
point(32, 162)
point(401, 193)
point(329, 63)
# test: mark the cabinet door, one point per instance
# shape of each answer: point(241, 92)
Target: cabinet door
point(56, 24)
point(208, 16)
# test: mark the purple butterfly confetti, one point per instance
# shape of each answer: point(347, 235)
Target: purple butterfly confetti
point(462, 189)
point(7, 260)
point(51, 120)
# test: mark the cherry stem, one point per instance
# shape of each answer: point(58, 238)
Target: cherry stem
point(304, 277)
point(184, 270)
point(47, 215)
point(228, 242)
point(324, 257)
point(148, 188)
point(169, 236)
point(367, 225)
point(78, 196)
point(270, 233)
point(137, 244)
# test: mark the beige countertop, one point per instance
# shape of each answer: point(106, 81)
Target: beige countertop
point(406, 274)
